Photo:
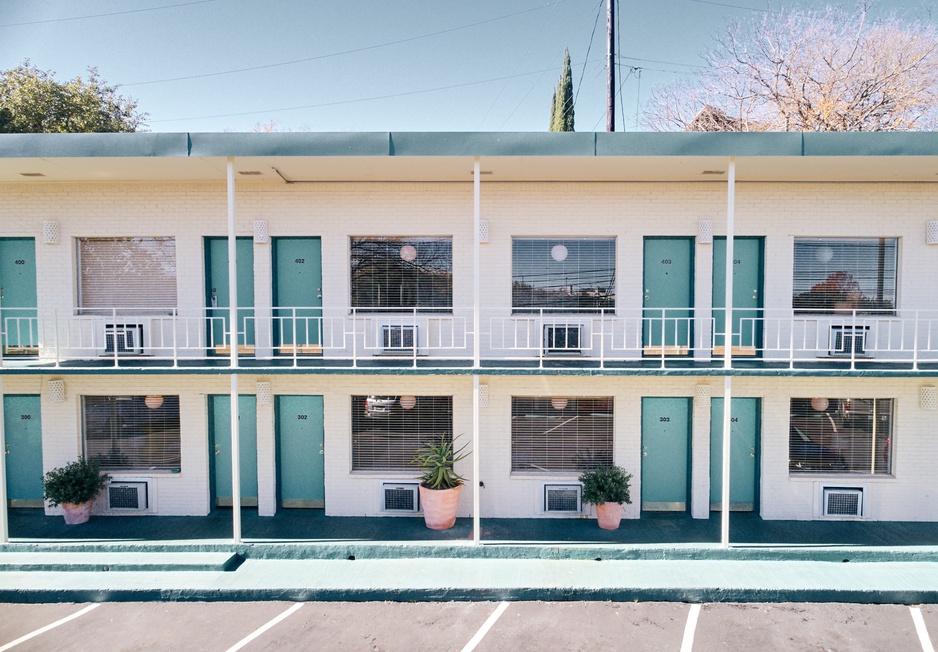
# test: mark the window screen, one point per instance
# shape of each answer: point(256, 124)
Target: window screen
point(563, 273)
point(387, 431)
point(840, 435)
point(122, 433)
point(402, 273)
point(845, 275)
point(560, 434)
point(128, 273)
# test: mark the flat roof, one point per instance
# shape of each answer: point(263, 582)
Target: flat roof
point(442, 156)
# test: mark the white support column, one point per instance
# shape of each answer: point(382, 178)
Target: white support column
point(476, 349)
point(4, 508)
point(233, 342)
point(728, 354)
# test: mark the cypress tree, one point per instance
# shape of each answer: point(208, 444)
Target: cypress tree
point(561, 110)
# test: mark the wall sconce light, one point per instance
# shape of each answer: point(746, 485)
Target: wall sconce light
point(558, 403)
point(265, 395)
point(50, 232)
point(56, 391)
point(705, 232)
point(931, 232)
point(408, 402)
point(153, 401)
point(261, 232)
point(928, 397)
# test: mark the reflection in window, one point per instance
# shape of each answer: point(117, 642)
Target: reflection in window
point(563, 273)
point(129, 273)
point(387, 431)
point(132, 433)
point(559, 434)
point(402, 273)
point(840, 435)
point(845, 275)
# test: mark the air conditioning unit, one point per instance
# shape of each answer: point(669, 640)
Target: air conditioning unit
point(128, 496)
point(123, 339)
point(563, 498)
point(400, 497)
point(399, 339)
point(847, 341)
point(563, 338)
point(842, 501)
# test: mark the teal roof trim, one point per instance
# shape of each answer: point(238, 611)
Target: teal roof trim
point(468, 144)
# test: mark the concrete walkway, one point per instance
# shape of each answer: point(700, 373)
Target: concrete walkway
point(307, 556)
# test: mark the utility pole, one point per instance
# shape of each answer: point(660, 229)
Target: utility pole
point(610, 65)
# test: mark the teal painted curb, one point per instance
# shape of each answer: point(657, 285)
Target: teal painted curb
point(118, 562)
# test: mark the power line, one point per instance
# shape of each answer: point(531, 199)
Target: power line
point(343, 52)
point(113, 13)
point(724, 4)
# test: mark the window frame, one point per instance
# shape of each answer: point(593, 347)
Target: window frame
point(442, 305)
point(604, 303)
point(108, 273)
point(167, 416)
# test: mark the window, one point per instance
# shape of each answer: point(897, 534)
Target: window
point(563, 273)
point(845, 275)
point(560, 434)
point(387, 431)
point(404, 273)
point(130, 273)
point(840, 435)
point(132, 433)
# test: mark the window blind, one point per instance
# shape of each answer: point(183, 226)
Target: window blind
point(404, 273)
point(840, 275)
point(561, 434)
point(127, 273)
point(122, 433)
point(572, 273)
point(840, 435)
point(387, 431)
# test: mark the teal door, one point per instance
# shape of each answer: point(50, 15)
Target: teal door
point(665, 453)
point(18, 296)
point(220, 448)
point(747, 295)
point(300, 451)
point(22, 429)
point(297, 295)
point(217, 299)
point(744, 454)
point(669, 296)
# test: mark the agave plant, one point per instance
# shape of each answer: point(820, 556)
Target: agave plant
point(436, 463)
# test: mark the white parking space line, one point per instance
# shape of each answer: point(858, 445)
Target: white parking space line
point(260, 630)
point(921, 630)
point(689, 628)
point(486, 626)
point(42, 630)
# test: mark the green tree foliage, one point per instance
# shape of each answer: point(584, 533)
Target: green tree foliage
point(561, 110)
point(32, 101)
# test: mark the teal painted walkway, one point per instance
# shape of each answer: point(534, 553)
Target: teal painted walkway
point(304, 555)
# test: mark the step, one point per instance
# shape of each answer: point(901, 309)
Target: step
point(118, 561)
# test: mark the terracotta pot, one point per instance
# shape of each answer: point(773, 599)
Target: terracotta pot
point(77, 513)
point(439, 506)
point(608, 515)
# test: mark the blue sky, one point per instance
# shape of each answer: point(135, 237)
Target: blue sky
point(404, 65)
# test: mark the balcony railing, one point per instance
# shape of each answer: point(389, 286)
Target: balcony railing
point(306, 336)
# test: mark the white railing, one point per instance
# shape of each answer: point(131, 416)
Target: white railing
point(304, 336)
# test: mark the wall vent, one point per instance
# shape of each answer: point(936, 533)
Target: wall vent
point(849, 341)
point(400, 497)
point(563, 498)
point(132, 496)
point(842, 501)
point(563, 338)
point(123, 339)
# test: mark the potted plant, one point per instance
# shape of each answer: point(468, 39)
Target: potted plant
point(440, 485)
point(607, 487)
point(74, 486)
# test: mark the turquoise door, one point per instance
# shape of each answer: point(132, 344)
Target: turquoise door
point(744, 453)
point(300, 451)
point(217, 300)
point(297, 295)
point(665, 453)
point(22, 429)
point(220, 448)
point(747, 295)
point(18, 296)
point(669, 296)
